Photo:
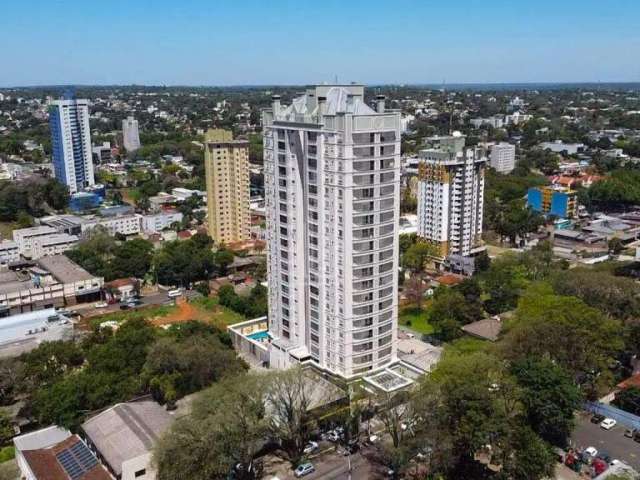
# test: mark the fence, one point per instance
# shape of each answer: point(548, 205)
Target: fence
point(625, 418)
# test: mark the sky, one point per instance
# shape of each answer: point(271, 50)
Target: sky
point(268, 42)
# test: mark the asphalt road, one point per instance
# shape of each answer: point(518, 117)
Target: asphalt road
point(89, 310)
point(333, 466)
point(587, 434)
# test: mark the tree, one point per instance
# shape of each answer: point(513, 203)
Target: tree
point(203, 288)
point(628, 400)
point(226, 429)
point(616, 246)
point(580, 339)
point(6, 429)
point(450, 310)
point(222, 259)
point(183, 262)
point(618, 297)
point(474, 410)
point(132, 259)
point(175, 367)
point(288, 401)
point(550, 398)
point(414, 289)
point(417, 255)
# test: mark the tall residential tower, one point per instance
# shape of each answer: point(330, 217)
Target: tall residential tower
point(130, 134)
point(226, 164)
point(71, 143)
point(332, 168)
point(450, 199)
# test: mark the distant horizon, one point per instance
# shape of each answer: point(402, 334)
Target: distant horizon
point(365, 84)
point(287, 42)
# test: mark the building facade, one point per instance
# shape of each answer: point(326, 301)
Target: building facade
point(450, 196)
point(53, 244)
point(130, 134)
point(332, 173)
point(9, 252)
point(124, 224)
point(71, 143)
point(553, 200)
point(227, 174)
point(503, 157)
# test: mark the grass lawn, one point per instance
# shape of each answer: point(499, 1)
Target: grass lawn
point(415, 319)
point(220, 315)
point(466, 345)
point(6, 229)
point(7, 453)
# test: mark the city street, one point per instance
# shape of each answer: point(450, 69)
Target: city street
point(587, 434)
point(329, 465)
point(89, 310)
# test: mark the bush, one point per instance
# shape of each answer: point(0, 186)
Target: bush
point(7, 453)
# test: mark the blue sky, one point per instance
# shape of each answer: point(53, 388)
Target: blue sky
point(225, 42)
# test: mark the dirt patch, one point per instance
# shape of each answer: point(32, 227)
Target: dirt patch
point(184, 312)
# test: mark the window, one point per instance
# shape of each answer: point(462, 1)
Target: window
point(140, 473)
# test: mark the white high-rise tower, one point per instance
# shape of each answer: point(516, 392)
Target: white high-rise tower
point(130, 134)
point(450, 198)
point(71, 143)
point(332, 199)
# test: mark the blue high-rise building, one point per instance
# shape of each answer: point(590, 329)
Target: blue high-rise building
point(71, 143)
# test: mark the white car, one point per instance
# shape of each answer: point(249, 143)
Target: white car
point(101, 305)
point(310, 448)
point(608, 423)
point(174, 293)
point(304, 469)
point(591, 451)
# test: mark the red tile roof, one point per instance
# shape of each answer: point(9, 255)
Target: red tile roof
point(45, 465)
point(632, 381)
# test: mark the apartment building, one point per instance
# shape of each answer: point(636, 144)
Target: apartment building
point(450, 196)
point(71, 143)
point(156, 222)
point(503, 157)
point(25, 238)
point(124, 225)
point(53, 244)
point(227, 174)
point(130, 134)
point(332, 173)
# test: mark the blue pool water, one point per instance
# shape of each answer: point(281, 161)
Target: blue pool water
point(260, 336)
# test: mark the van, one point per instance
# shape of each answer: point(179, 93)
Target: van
point(174, 293)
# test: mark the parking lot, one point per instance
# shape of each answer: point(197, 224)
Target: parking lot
point(587, 434)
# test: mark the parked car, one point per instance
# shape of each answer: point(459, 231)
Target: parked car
point(630, 432)
point(590, 452)
point(304, 469)
point(101, 305)
point(604, 456)
point(333, 436)
point(636, 436)
point(174, 293)
point(608, 423)
point(310, 448)
point(597, 418)
point(125, 306)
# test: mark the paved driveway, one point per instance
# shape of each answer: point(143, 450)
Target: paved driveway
point(587, 434)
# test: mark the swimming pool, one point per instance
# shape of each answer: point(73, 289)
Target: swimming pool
point(260, 336)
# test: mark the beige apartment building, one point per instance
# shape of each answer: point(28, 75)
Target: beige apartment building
point(227, 173)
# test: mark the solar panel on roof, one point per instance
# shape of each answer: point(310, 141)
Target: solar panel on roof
point(76, 460)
